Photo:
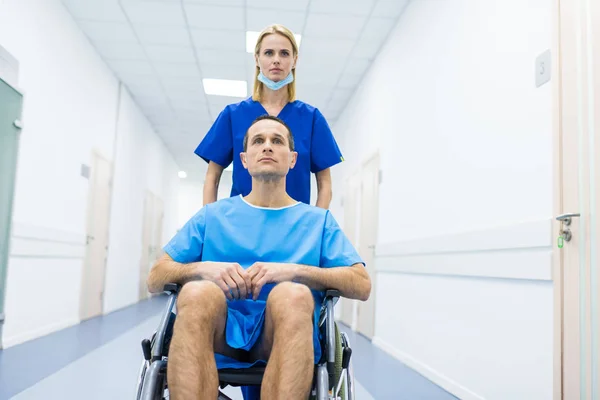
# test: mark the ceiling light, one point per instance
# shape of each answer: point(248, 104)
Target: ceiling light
point(225, 87)
point(252, 37)
point(182, 174)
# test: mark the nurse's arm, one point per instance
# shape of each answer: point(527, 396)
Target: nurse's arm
point(324, 192)
point(352, 282)
point(211, 183)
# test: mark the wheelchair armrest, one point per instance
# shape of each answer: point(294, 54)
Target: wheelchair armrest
point(332, 293)
point(172, 288)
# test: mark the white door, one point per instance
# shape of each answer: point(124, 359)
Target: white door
point(577, 154)
point(146, 258)
point(350, 230)
point(159, 216)
point(369, 215)
point(94, 268)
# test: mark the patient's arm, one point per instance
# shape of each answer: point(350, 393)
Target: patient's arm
point(230, 277)
point(165, 270)
point(352, 282)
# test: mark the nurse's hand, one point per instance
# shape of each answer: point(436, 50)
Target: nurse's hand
point(262, 273)
point(233, 280)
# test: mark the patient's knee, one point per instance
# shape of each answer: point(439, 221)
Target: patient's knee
point(289, 299)
point(201, 298)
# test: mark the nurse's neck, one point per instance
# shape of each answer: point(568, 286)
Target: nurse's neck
point(274, 98)
point(269, 194)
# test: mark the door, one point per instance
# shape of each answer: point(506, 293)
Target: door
point(577, 197)
point(147, 245)
point(152, 228)
point(10, 126)
point(159, 216)
point(94, 268)
point(369, 216)
point(350, 230)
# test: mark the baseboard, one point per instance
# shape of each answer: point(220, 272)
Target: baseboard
point(435, 376)
point(10, 341)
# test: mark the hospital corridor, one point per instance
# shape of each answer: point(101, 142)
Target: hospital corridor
point(300, 199)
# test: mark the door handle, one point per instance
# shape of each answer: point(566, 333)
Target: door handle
point(567, 218)
point(565, 232)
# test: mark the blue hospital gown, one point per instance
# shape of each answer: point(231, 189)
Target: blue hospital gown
point(314, 141)
point(232, 230)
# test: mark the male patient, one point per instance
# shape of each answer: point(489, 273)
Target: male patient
point(247, 266)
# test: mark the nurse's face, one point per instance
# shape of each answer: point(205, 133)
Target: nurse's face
point(276, 57)
point(268, 156)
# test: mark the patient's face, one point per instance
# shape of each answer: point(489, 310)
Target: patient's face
point(268, 155)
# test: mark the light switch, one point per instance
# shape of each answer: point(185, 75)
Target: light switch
point(543, 64)
point(85, 171)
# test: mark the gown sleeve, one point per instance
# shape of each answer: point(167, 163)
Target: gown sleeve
point(217, 145)
point(336, 249)
point(187, 244)
point(324, 150)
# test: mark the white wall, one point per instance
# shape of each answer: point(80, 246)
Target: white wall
point(464, 243)
point(190, 201)
point(142, 164)
point(70, 109)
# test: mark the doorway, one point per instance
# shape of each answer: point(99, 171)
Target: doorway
point(94, 267)
point(11, 103)
point(152, 228)
point(369, 221)
point(576, 261)
point(351, 229)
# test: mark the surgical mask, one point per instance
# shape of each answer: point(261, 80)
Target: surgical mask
point(275, 85)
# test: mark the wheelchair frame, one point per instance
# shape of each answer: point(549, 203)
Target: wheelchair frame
point(152, 375)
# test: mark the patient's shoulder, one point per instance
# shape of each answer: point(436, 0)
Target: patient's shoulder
point(222, 205)
point(317, 214)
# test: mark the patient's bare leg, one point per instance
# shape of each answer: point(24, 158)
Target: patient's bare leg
point(287, 343)
point(199, 331)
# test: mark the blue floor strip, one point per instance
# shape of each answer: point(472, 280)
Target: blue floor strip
point(23, 365)
point(384, 377)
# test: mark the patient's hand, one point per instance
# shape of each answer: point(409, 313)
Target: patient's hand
point(230, 277)
point(262, 273)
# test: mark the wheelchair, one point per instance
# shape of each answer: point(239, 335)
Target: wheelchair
point(333, 373)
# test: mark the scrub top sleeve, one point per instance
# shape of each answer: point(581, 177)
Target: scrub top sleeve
point(186, 246)
point(217, 145)
point(336, 249)
point(324, 150)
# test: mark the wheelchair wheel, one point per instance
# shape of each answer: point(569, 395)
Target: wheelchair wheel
point(337, 369)
point(339, 351)
point(141, 376)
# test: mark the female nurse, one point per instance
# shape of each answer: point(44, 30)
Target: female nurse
point(274, 93)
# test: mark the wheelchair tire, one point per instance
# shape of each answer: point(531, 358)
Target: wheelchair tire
point(338, 360)
point(141, 377)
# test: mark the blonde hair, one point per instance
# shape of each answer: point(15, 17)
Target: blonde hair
point(258, 85)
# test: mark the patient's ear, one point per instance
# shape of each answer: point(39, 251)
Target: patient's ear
point(243, 158)
point(293, 159)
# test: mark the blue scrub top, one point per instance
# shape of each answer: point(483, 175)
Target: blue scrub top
point(313, 139)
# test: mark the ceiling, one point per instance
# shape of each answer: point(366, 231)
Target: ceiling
point(162, 49)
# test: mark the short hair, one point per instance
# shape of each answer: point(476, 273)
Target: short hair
point(272, 118)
